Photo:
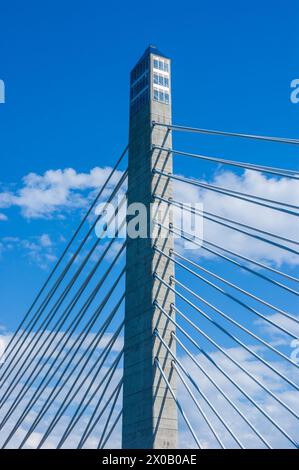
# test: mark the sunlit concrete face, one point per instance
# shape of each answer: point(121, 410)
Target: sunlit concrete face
point(149, 411)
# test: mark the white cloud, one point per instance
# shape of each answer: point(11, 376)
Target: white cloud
point(278, 337)
point(56, 191)
point(278, 223)
point(61, 190)
point(3, 217)
point(68, 388)
point(236, 423)
point(38, 249)
point(4, 340)
point(229, 415)
point(45, 240)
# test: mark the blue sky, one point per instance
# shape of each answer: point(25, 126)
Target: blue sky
point(66, 70)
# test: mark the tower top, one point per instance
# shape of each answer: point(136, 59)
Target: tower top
point(151, 49)
point(150, 81)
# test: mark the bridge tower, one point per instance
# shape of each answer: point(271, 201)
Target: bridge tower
point(149, 411)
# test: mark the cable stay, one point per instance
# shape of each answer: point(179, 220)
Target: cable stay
point(198, 242)
point(65, 361)
point(247, 166)
point(68, 399)
point(227, 294)
point(66, 290)
point(251, 198)
point(70, 357)
point(61, 320)
point(204, 215)
point(95, 419)
point(231, 358)
point(168, 386)
point(66, 249)
point(103, 439)
point(199, 407)
point(172, 127)
point(210, 359)
point(103, 445)
point(234, 286)
point(231, 320)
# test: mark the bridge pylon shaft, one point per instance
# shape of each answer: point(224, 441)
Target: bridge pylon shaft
point(149, 410)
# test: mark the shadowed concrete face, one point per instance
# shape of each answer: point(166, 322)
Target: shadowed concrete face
point(149, 411)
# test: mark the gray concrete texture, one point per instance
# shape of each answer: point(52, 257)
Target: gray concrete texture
point(149, 411)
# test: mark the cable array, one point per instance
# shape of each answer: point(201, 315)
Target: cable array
point(70, 338)
point(230, 338)
point(231, 323)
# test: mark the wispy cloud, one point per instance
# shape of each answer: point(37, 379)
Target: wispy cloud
point(39, 249)
point(250, 182)
point(55, 192)
point(88, 382)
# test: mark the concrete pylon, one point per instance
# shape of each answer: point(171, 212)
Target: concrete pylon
point(149, 411)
